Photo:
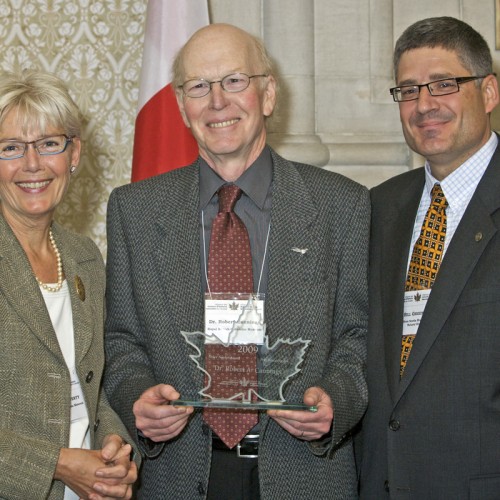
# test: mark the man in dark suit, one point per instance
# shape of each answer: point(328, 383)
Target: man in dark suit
point(432, 429)
point(308, 230)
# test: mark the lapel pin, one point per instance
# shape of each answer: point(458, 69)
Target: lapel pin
point(80, 288)
point(302, 251)
point(479, 236)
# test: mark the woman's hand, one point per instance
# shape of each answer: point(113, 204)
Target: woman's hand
point(98, 474)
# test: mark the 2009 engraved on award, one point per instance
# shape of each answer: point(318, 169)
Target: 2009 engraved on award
point(228, 373)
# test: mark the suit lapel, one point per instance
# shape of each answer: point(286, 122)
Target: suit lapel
point(290, 271)
point(461, 257)
point(399, 222)
point(19, 287)
point(177, 257)
point(76, 262)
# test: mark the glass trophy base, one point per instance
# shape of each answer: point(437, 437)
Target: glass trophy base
point(244, 405)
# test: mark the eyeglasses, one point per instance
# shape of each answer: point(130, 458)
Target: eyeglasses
point(444, 86)
point(235, 82)
point(46, 146)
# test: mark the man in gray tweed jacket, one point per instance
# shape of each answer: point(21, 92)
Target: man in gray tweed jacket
point(308, 230)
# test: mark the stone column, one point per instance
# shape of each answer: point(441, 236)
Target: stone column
point(292, 129)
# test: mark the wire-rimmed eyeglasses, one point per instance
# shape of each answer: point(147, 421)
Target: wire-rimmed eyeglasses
point(235, 82)
point(443, 86)
point(46, 146)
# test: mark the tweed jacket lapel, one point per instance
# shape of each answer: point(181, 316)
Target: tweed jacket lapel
point(475, 230)
point(290, 272)
point(177, 257)
point(19, 287)
point(74, 259)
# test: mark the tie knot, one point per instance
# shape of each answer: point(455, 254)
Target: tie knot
point(438, 198)
point(228, 196)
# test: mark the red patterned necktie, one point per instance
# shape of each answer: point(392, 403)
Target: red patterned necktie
point(229, 270)
point(426, 257)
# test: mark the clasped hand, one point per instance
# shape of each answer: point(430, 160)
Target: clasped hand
point(98, 474)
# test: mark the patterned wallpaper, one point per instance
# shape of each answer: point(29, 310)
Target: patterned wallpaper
point(95, 46)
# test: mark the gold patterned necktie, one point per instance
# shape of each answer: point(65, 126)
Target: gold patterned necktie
point(426, 257)
point(229, 270)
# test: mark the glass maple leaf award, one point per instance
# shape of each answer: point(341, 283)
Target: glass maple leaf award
point(241, 369)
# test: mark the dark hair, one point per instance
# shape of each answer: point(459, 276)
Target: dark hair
point(450, 34)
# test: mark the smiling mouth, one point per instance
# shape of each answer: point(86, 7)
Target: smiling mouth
point(33, 185)
point(433, 120)
point(227, 123)
point(430, 124)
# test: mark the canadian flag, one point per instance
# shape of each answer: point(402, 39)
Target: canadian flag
point(162, 142)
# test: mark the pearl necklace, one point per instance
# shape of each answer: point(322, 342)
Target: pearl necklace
point(59, 283)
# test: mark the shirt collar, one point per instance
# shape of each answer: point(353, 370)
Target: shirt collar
point(462, 182)
point(254, 182)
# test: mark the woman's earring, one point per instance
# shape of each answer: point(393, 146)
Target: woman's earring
point(72, 169)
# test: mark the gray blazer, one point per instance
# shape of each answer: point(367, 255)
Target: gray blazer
point(435, 434)
point(35, 385)
point(155, 291)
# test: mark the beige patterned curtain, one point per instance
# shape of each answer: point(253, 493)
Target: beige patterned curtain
point(95, 46)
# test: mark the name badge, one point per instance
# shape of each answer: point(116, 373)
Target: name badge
point(78, 408)
point(414, 305)
point(234, 319)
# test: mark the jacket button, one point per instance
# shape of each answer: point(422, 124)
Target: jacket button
point(96, 425)
point(386, 486)
point(394, 425)
point(89, 377)
point(201, 489)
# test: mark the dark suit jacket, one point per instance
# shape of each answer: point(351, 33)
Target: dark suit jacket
point(155, 291)
point(35, 384)
point(435, 434)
